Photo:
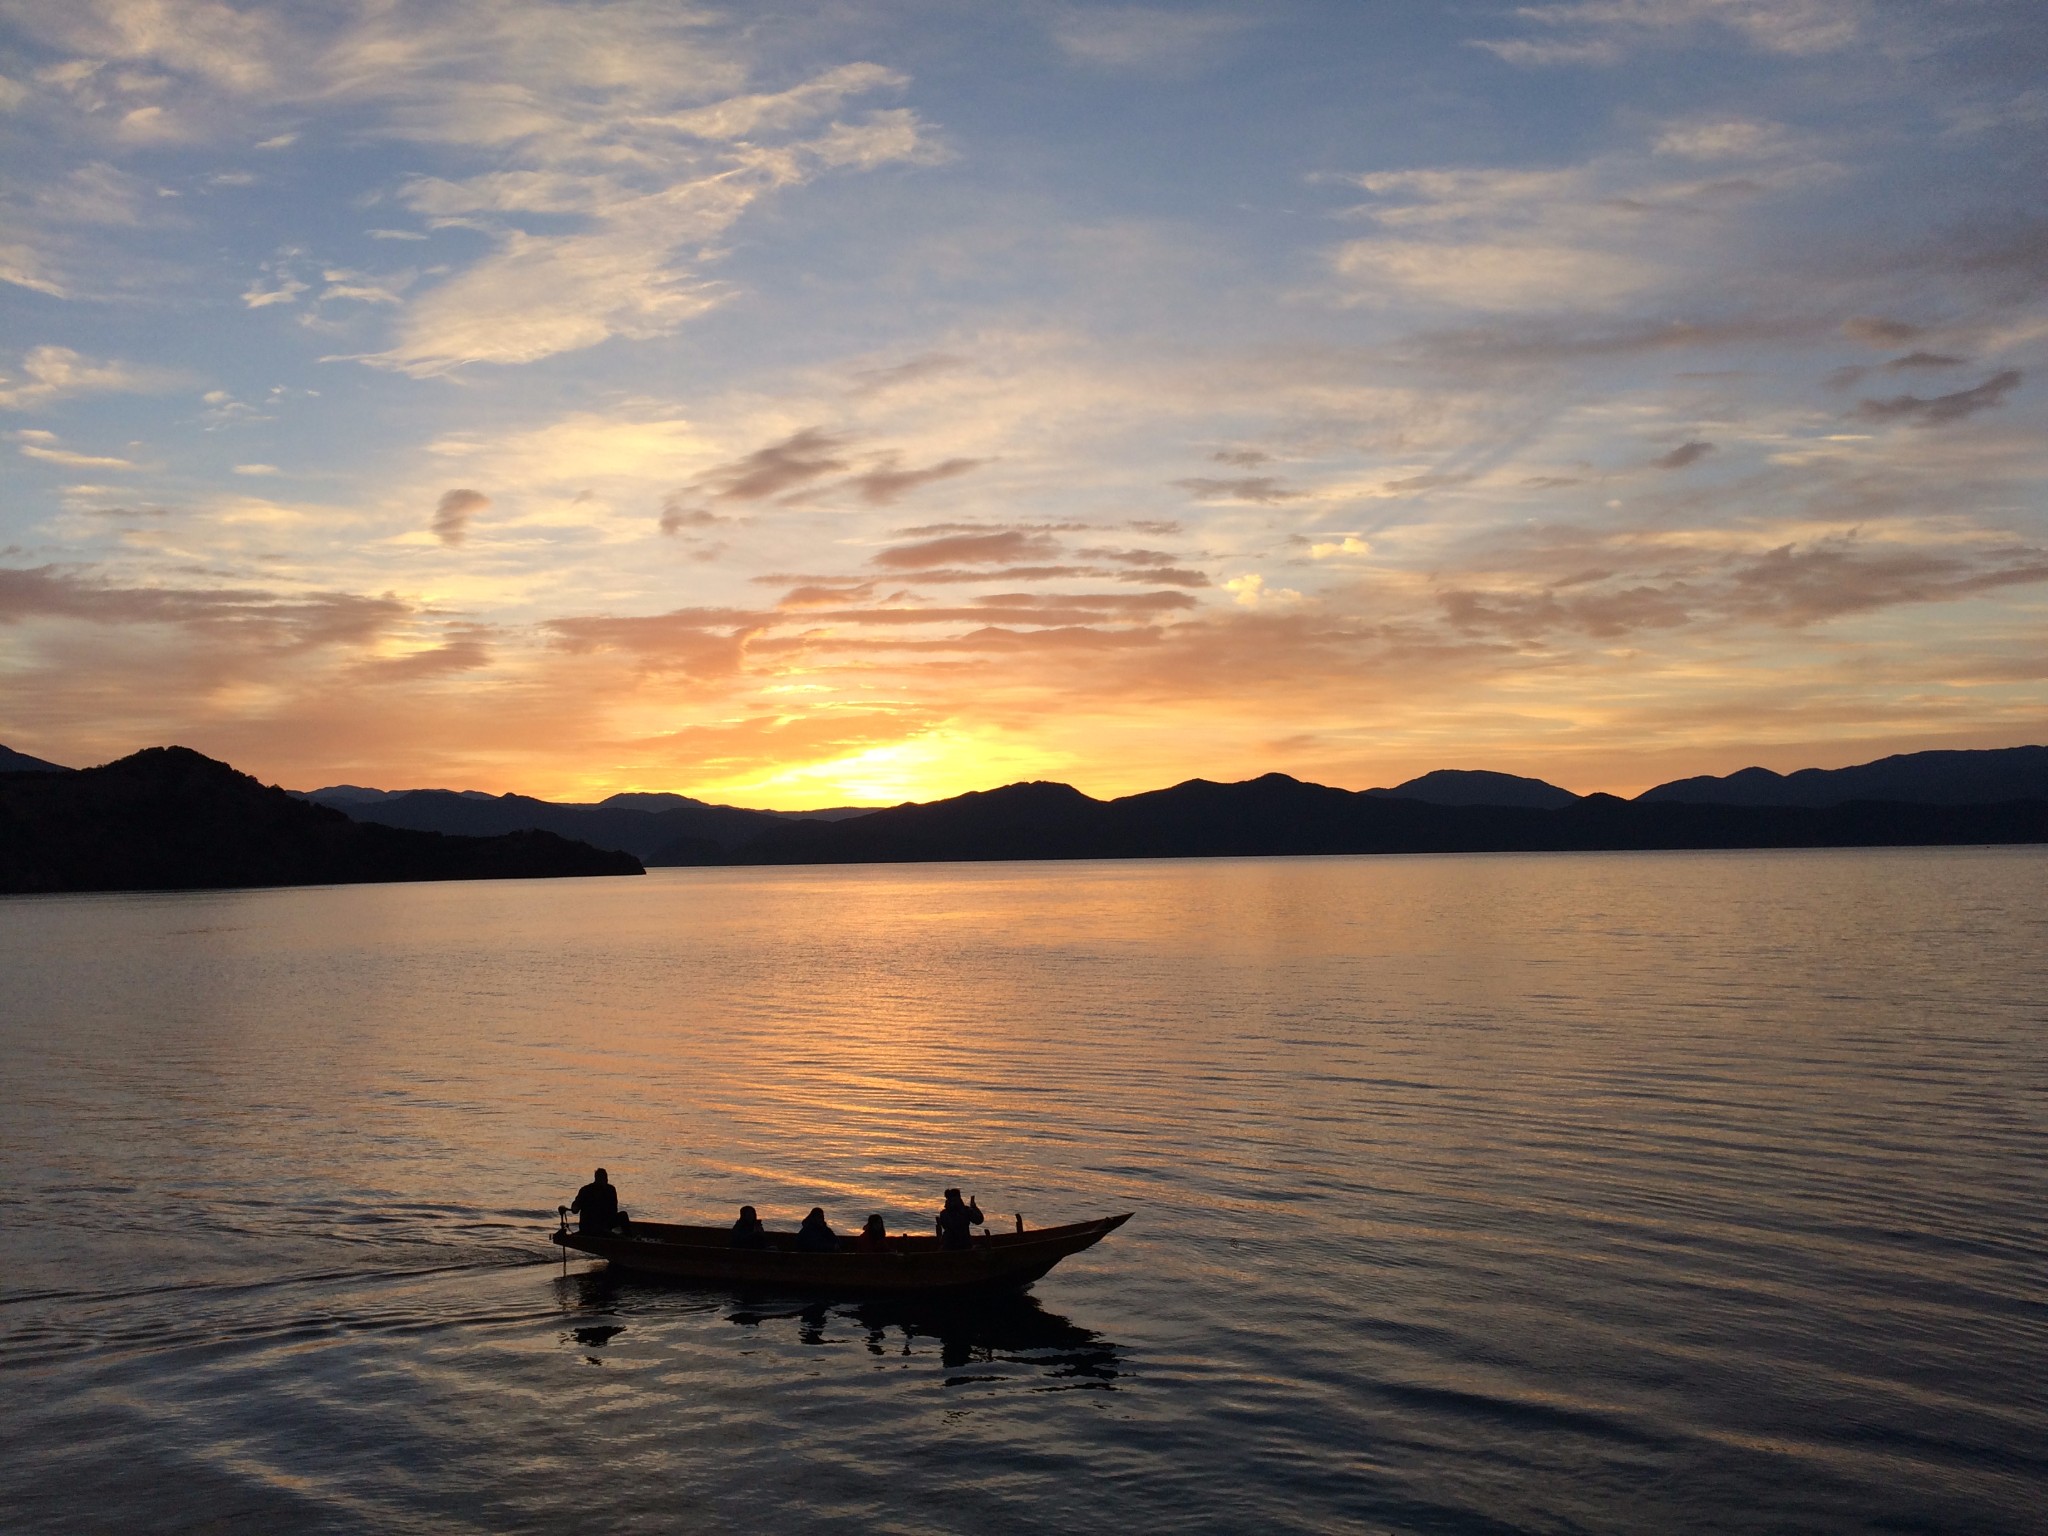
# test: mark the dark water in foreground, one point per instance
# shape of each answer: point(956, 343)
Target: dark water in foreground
point(1571, 1193)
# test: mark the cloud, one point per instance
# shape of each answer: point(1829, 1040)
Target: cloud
point(822, 594)
point(677, 514)
point(1264, 489)
point(1632, 583)
point(1732, 138)
point(1142, 37)
point(886, 485)
point(1544, 340)
point(740, 117)
point(279, 283)
point(1855, 373)
point(539, 295)
point(37, 444)
point(453, 512)
point(1879, 331)
point(362, 288)
point(1942, 409)
point(1342, 544)
point(1608, 31)
point(967, 549)
point(649, 212)
point(787, 465)
point(226, 48)
point(1541, 54)
point(23, 266)
point(1035, 609)
point(638, 110)
point(1409, 485)
point(247, 617)
point(1682, 455)
point(462, 655)
point(1252, 592)
point(56, 373)
point(1241, 458)
point(257, 469)
point(875, 381)
point(1583, 237)
point(1139, 557)
point(697, 642)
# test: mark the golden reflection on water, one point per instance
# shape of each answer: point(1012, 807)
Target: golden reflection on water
point(1600, 1169)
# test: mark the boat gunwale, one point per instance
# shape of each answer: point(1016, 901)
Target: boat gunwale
point(911, 1263)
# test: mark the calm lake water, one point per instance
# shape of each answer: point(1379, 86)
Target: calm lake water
point(1666, 1193)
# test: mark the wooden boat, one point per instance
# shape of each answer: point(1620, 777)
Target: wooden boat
point(903, 1264)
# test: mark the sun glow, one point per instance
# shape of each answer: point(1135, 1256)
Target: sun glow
point(939, 763)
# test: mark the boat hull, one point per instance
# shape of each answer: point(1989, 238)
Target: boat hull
point(907, 1265)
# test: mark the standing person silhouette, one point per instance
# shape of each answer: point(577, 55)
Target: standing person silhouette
point(955, 1224)
point(596, 1206)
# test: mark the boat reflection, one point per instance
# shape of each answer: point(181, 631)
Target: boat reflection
point(997, 1336)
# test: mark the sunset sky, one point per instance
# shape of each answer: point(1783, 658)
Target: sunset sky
point(800, 404)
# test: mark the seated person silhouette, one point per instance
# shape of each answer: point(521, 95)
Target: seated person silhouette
point(596, 1207)
point(874, 1237)
point(814, 1236)
point(956, 1222)
point(748, 1232)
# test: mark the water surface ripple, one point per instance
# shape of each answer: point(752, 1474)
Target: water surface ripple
point(1573, 1193)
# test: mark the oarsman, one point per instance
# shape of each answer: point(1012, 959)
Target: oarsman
point(596, 1206)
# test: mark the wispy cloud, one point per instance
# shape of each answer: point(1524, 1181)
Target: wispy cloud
point(786, 465)
point(1145, 37)
point(47, 374)
point(1606, 31)
point(1002, 548)
point(1264, 489)
point(39, 444)
point(1939, 410)
point(1683, 455)
point(887, 484)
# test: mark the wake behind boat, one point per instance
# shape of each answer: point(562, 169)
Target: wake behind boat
point(893, 1265)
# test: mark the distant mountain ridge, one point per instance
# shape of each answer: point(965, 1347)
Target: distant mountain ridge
point(667, 829)
point(169, 818)
point(1998, 795)
point(686, 832)
point(1277, 815)
point(1912, 778)
point(1477, 786)
point(12, 761)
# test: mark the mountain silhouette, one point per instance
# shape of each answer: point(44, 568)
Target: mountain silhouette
point(1476, 786)
point(654, 828)
point(12, 761)
point(1918, 778)
point(1276, 814)
point(171, 819)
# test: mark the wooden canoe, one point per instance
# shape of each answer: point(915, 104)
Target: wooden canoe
point(904, 1264)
